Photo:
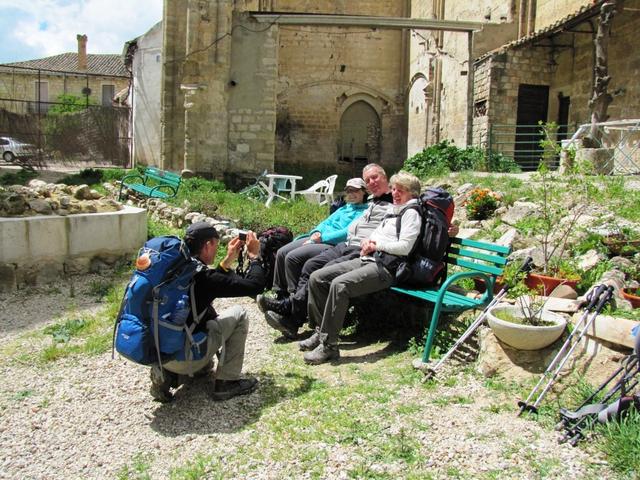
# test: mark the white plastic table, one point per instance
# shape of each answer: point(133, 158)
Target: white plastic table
point(278, 183)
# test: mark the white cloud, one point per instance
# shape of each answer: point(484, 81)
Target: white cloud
point(51, 26)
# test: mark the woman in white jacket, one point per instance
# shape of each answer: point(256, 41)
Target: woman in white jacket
point(331, 287)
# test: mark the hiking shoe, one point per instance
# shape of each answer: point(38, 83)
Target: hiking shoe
point(161, 387)
point(283, 324)
point(321, 354)
point(269, 304)
point(310, 343)
point(226, 389)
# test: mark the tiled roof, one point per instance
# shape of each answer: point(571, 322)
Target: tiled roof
point(585, 12)
point(97, 64)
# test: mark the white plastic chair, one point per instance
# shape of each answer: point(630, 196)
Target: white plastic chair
point(321, 192)
point(316, 193)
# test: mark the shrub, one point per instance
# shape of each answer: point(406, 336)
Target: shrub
point(443, 157)
point(21, 177)
point(481, 203)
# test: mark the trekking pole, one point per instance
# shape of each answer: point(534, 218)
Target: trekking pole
point(592, 300)
point(582, 417)
point(602, 299)
point(431, 372)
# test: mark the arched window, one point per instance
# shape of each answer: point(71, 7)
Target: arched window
point(417, 116)
point(359, 134)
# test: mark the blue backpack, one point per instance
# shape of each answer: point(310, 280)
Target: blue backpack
point(151, 326)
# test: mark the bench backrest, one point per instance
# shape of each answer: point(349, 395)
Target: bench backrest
point(163, 176)
point(482, 257)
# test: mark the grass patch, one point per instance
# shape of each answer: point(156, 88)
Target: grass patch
point(138, 470)
point(21, 177)
point(620, 441)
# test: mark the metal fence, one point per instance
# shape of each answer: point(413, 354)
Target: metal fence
point(617, 146)
point(522, 143)
point(69, 130)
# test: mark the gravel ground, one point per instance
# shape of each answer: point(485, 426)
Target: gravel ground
point(87, 417)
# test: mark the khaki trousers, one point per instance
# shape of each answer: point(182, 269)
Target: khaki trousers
point(228, 331)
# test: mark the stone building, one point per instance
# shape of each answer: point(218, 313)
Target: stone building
point(240, 96)
point(541, 69)
point(31, 86)
point(245, 91)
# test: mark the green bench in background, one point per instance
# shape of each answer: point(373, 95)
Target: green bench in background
point(153, 183)
point(480, 260)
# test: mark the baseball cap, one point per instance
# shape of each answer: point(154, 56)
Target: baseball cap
point(356, 183)
point(201, 230)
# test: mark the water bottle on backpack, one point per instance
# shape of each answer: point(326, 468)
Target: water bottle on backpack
point(181, 311)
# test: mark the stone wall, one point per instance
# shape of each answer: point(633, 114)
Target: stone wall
point(218, 90)
point(324, 70)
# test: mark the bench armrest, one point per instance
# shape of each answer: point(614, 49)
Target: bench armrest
point(158, 187)
point(486, 297)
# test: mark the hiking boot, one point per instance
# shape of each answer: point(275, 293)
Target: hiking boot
point(283, 324)
point(268, 304)
point(161, 387)
point(321, 354)
point(310, 343)
point(226, 389)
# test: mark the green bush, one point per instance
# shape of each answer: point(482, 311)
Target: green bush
point(94, 176)
point(21, 177)
point(445, 157)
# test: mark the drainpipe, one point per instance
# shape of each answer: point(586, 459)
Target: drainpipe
point(437, 91)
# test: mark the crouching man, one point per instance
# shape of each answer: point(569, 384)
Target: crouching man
point(227, 331)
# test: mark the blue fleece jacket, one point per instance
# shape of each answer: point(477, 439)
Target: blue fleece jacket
point(334, 228)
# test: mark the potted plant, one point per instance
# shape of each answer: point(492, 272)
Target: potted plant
point(481, 203)
point(632, 291)
point(632, 294)
point(527, 325)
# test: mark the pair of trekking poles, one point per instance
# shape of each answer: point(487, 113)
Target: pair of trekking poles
point(596, 301)
point(431, 372)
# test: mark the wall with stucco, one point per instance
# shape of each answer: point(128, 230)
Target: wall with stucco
point(147, 72)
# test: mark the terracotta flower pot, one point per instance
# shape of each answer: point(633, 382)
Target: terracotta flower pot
point(632, 298)
point(525, 337)
point(481, 287)
point(621, 246)
point(534, 280)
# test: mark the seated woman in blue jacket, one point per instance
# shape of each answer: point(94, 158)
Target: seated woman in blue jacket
point(291, 258)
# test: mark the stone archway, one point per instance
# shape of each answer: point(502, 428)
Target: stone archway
point(359, 139)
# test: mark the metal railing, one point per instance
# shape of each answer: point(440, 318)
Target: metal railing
point(618, 144)
point(522, 143)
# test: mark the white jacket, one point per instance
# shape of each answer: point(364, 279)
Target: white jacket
point(386, 237)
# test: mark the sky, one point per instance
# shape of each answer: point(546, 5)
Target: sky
point(40, 28)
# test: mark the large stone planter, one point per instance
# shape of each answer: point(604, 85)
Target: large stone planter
point(525, 337)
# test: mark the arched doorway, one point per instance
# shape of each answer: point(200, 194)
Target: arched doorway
point(359, 141)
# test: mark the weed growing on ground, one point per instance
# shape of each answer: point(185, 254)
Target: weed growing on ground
point(620, 440)
point(139, 470)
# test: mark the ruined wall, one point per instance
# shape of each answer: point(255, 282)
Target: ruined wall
point(324, 70)
point(445, 66)
point(218, 90)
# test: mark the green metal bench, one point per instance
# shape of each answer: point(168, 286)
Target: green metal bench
point(153, 183)
point(478, 260)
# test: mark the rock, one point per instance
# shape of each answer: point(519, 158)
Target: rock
point(65, 201)
point(40, 206)
point(464, 188)
point(467, 232)
point(94, 195)
point(564, 291)
point(35, 183)
point(15, 204)
point(508, 238)
point(589, 260)
point(82, 192)
point(621, 263)
point(520, 210)
point(534, 252)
